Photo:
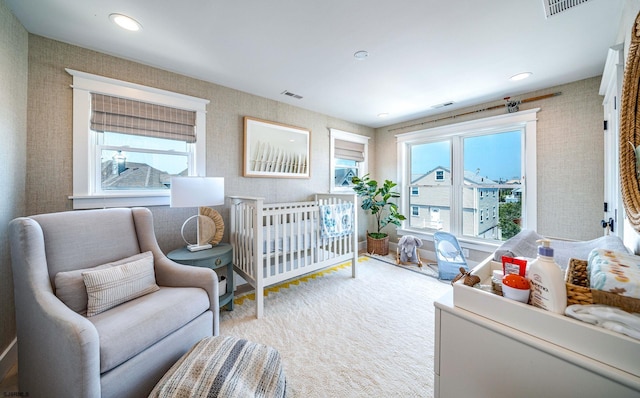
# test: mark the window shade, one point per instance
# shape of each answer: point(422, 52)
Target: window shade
point(349, 150)
point(126, 116)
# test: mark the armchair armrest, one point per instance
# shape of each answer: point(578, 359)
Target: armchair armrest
point(51, 329)
point(62, 333)
point(170, 273)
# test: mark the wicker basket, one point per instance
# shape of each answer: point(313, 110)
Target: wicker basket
point(378, 246)
point(628, 304)
point(577, 281)
point(579, 292)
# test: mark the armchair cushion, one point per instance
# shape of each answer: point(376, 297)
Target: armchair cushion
point(107, 288)
point(132, 327)
point(70, 287)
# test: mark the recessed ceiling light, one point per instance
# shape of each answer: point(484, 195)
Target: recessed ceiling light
point(360, 55)
point(383, 114)
point(520, 76)
point(125, 22)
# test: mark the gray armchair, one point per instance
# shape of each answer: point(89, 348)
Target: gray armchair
point(123, 351)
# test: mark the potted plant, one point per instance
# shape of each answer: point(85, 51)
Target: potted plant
point(376, 199)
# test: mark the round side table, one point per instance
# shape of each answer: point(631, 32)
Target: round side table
point(218, 256)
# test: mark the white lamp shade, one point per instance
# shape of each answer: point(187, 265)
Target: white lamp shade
point(197, 191)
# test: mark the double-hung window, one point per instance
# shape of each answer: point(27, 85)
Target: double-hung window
point(129, 140)
point(475, 179)
point(348, 153)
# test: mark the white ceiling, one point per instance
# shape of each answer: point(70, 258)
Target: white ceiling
point(421, 52)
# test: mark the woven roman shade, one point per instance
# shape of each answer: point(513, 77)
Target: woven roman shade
point(349, 150)
point(126, 116)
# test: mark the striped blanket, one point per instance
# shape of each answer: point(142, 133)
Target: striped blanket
point(224, 366)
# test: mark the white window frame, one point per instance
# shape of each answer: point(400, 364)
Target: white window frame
point(526, 120)
point(363, 167)
point(86, 194)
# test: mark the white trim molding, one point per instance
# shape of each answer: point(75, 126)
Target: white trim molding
point(523, 120)
point(85, 195)
point(346, 136)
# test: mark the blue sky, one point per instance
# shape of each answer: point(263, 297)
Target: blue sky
point(496, 155)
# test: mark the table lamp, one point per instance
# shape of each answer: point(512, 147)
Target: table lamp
point(196, 192)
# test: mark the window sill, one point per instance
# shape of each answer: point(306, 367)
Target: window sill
point(465, 242)
point(119, 200)
point(342, 190)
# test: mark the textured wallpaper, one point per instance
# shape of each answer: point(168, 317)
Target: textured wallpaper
point(13, 135)
point(49, 177)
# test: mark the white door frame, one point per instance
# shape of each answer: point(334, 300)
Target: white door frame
point(611, 88)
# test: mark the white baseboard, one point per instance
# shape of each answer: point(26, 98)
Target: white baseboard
point(8, 358)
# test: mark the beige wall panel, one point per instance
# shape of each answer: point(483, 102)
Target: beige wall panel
point(13, 135)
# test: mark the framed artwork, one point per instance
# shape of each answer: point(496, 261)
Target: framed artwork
point(275, 150)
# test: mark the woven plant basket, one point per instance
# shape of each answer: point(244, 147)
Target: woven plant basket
point(579, 292)
point(378, 246)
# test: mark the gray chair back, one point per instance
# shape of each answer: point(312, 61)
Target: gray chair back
point(88, 238)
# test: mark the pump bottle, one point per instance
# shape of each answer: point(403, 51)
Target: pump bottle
point(548, 290)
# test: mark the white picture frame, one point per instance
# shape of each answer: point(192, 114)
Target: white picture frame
point(275, 150)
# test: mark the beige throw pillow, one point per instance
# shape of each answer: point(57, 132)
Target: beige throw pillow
point(70, 287)
point(113, 286)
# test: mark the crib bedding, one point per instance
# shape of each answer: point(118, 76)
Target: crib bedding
point(614, 272)
point(287, 238)
point(292, 237)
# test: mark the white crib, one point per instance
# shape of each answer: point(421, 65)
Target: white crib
point(280, 241)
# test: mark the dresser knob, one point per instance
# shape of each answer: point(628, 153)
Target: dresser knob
point(218, 261)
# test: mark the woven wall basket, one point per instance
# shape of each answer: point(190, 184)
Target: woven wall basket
point(630, 130)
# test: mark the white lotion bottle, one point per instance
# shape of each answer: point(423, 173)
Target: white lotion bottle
point(548, 290)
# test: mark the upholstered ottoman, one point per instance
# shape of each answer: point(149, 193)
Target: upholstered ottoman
point(224, 366)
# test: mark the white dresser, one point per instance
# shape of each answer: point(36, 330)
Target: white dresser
point(488, 346)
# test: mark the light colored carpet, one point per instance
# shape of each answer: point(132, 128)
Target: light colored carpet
point(429, 268)
point(371, 336)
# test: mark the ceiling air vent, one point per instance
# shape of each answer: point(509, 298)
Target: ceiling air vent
point(442, 105)
point(290, 94)
point(555, 7)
